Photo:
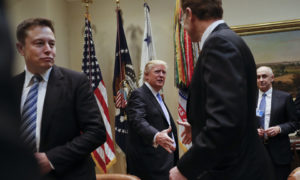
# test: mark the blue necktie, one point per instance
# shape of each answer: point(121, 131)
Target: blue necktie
point(163, 107)
point(28, 127)
point(262, 109)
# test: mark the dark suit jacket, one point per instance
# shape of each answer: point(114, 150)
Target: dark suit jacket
point(221, 110)
point(283, 113)
point(297, 104)
point(145, 119)
point(72, 126)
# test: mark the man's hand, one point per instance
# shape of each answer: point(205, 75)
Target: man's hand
point(175, 174)
point(272, 131)
point(165, 141)
point(187, 133)
point(43, 163)
point(261, 132)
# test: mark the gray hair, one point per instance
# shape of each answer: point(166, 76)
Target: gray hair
point(267, 68)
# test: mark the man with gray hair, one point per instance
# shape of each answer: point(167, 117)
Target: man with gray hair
point(277, 118)
point(152, 148)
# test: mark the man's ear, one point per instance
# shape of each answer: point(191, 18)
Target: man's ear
point(188, 13)
point(20, 48)
point(272, 78)
point(146, 77)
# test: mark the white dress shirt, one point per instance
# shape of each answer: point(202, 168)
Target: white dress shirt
point(268, 105)
point(40, 101)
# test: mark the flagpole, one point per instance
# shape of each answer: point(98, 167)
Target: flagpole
point(120, 59)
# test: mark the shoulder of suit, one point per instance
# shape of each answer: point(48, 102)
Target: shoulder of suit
point(224, 35)
point(138, 90)
point(18, 76)
point(141, 91)
point(68, 72)
point(282, 93)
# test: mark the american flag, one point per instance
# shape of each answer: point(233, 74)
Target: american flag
point(104, 156)
point(123, 83)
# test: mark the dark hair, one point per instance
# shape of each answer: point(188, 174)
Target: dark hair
point(24, 26)
point(204, 9)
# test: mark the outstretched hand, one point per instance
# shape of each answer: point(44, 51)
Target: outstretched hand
point(165, 141)
point(187, 133)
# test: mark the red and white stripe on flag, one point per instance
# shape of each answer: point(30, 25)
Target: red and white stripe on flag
point(104, 156)
point(182, 117)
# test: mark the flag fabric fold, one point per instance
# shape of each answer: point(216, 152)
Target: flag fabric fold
point(148, 49)
point(124, 82)
point(104, 156)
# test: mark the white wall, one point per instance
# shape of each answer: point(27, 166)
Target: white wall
point(68, 16)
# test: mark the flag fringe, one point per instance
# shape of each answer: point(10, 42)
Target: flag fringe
point(108, 166)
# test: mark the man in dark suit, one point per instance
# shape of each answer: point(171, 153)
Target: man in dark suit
point(152, 148)
point(60, 119)
point(277, 118)
point(221, 102)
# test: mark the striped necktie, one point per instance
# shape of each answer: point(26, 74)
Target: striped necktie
point(28, 126)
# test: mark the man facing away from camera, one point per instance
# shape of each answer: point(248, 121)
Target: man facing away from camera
point(221, 103)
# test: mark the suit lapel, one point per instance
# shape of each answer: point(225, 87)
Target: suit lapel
point(154, 101)
point(51, 99)
point(273, 107)
point(19, 82)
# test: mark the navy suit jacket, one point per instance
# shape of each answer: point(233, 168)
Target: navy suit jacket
point(283, 113)
point(72, 126)
point(145, 119)
point(221, 110)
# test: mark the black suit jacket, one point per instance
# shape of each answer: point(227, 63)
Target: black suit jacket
point(297, 104)
point(145, 119)
point(71, 127)
point(283, 113)
point(221, 110)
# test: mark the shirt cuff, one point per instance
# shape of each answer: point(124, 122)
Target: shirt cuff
point(154, 141)
point(52, 167)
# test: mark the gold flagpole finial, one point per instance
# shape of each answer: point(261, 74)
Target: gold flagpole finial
point(118, 3)
point(86, 4)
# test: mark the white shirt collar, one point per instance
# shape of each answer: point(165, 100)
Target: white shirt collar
point(268, 92)
point(151, 89)
point(208, 31)
point(28, 76)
